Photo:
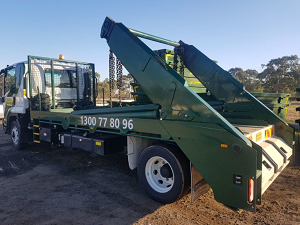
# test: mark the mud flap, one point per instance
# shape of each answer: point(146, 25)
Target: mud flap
point(198, 184)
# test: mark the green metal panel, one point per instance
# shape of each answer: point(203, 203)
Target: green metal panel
point(192, 81)
point(224, 87)
point(277, 102)
point(201, 142)
point(94, 85)
point(139, 95)
point(77, 82)
point(52, 85)
point(141, 124)
point(142, 108)
point(238, 102)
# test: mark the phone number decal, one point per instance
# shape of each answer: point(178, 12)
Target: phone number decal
point(102, 122)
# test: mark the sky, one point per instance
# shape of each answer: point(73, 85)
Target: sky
point(236, 33)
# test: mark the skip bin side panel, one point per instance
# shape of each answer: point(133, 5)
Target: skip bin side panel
point(224, 87)
point(239, 103)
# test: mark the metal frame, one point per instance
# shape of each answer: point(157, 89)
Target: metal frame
point(154, 38)
point(52, 76)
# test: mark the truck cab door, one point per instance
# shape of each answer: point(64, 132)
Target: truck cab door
point(9, 89)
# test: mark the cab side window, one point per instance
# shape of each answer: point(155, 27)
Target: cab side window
point(10, 82)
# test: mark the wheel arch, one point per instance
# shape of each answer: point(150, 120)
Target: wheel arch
point(136, 145)
point(22, 119)
point(10, 118)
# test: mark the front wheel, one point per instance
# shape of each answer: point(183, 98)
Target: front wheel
point(164, 173)
point(16, 136)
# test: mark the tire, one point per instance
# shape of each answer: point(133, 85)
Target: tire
point(164, 173)
point(16, 136)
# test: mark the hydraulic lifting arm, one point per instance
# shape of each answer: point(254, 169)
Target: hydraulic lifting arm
point(159, 81)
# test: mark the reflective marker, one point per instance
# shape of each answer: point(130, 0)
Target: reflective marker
point(250, 190)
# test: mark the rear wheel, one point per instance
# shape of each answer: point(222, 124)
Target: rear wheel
point(164, 173)
point(16, 136)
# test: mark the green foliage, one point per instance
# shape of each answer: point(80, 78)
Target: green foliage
point(1, 83)
point(281, 75)
point(97, 75)
point(104, 86)
point(248, 78)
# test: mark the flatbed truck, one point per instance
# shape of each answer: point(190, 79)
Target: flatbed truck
point(178, 138)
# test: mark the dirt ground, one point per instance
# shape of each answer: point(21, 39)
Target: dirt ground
point(42, 185)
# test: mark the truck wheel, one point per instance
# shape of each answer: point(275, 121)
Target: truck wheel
point(16, 136)
point(164, 173)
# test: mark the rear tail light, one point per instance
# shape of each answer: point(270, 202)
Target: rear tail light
point(250, 190)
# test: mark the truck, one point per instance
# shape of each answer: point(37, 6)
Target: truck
point(179, 138)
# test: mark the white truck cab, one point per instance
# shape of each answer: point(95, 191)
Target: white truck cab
point(57, 85)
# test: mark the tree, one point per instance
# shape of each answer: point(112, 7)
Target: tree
point(97, 75)
point(239, 74)
point(125, 88)
point(281, 74)
point(103, 86)
point(248, 78)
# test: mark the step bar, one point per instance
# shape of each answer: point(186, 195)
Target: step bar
point(276, 154)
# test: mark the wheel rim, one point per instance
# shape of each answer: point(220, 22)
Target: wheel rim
point(15, 135)
point(159, 174)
